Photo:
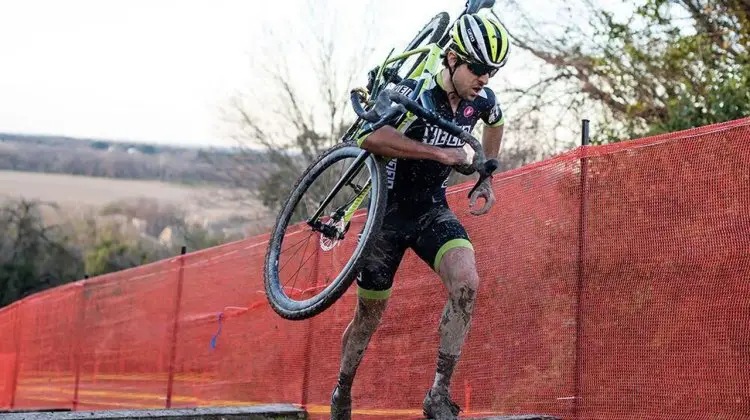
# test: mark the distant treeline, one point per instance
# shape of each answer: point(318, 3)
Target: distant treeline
point(100, 158)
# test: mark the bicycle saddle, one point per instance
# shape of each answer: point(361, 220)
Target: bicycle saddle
point(473, 6)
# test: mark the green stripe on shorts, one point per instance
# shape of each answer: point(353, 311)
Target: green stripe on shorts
point(453, 243)
point(373, 294)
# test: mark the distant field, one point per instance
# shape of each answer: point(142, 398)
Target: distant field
point(79, 192)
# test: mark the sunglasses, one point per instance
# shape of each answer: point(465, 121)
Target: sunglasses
point(479, 69)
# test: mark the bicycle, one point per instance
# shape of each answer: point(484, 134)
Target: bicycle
point(333, 227)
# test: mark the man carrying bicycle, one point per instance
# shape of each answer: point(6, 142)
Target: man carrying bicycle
point(418, 216)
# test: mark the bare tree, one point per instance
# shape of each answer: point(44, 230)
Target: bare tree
point(299, 106)
point(636, 68)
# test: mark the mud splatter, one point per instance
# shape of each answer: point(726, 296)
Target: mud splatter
point(465, 302)
point(445, 365)
point(456, 319)
point(436, 215)
point(445, 216)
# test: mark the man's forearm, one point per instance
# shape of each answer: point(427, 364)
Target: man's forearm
point(491, 140)
point(389, 142)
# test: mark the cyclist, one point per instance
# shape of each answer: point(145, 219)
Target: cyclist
point(418, 216)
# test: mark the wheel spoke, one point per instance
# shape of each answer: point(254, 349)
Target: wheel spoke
point(295, 254)
point(300, 267)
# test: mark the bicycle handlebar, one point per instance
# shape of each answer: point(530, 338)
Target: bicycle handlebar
point(383, 112)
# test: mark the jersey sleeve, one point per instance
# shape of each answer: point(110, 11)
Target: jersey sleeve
point(493, 114)
point(403, 123)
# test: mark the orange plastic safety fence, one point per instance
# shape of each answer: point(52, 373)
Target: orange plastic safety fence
point(614, 284)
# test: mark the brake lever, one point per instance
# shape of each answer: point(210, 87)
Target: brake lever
point(391, 114)
point(357, 98)
point(383, 106)
point(485, 171)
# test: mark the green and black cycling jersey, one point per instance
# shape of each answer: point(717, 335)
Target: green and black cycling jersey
point(417, 215)
point(421, 180)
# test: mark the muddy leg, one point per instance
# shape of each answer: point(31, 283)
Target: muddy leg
point(459, 274)
point(353, 344)
point(357, 337)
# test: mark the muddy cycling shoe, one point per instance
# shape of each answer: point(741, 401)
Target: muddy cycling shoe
point(341, 404)
point(439, 406)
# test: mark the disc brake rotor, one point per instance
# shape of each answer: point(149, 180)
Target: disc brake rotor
point(326, 243)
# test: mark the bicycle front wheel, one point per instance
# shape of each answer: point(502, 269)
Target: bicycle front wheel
point(323, 233)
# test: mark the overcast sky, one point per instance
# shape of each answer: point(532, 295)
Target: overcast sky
point(153, 70)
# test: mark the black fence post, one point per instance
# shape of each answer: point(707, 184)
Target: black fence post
point(175, 327)
point(17, 362)
point(585, 140)
point(80, 328)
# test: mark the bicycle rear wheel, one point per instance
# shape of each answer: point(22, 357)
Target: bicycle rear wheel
point(316, 251)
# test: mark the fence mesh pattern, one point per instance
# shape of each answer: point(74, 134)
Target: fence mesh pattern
point(615, 283)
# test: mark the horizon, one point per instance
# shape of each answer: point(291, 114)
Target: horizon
point(110, 140)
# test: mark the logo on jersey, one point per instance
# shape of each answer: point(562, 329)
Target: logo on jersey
point(390, 173)
point(436, 136)
point(468, 111)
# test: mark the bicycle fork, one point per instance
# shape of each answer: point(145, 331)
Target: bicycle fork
point(346, 215)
